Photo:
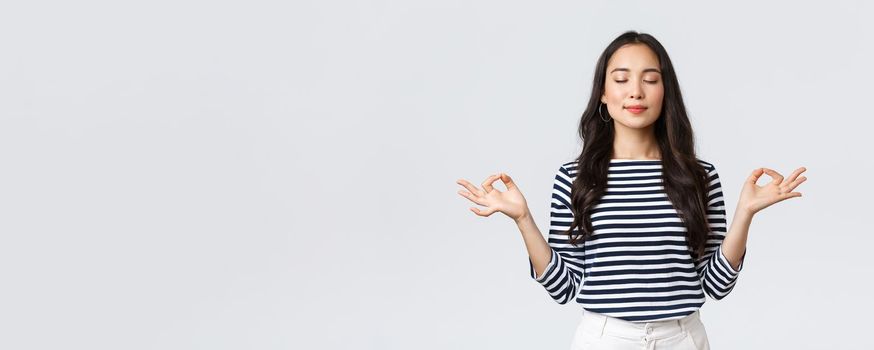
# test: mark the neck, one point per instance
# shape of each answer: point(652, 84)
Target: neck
point(631, 143)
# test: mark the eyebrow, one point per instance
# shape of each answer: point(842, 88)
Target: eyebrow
point(645, 70)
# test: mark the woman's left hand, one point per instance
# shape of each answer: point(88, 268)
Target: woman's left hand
point(754, 198)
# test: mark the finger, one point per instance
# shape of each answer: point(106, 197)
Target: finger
point(473, 198)
point(486, 212)
point(795, 183)
point(788, 195)
point(795, 174)
point(755, 175)
point(508, 181)
point(487, 185)
point(775, 175)
point(470, 187)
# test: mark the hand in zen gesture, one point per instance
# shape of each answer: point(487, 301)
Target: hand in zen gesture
point(754, 198)
point(512, 203)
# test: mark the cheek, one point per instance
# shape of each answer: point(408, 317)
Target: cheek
point(657, 95)
point(614, 93)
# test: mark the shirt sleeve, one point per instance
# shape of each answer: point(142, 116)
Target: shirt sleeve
point(563, 275)
point(719, 278)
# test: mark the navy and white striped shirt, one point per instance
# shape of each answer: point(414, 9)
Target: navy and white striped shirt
point(636, 266)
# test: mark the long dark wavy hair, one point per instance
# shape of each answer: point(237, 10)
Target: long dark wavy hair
point(685, 180)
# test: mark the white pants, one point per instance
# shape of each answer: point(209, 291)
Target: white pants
point(598, 331)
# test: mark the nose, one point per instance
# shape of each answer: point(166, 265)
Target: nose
point(636, 91)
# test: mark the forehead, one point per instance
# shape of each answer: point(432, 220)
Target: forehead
point(635, 57)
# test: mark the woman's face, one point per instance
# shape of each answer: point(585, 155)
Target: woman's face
point(633, 78)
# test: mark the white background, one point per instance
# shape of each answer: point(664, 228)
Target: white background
point(281, 175)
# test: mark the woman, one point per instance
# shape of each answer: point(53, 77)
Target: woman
point(637, 231)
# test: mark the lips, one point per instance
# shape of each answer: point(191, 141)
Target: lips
point(636, 109)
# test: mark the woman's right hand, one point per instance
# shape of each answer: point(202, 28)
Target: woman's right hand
point(512, 203)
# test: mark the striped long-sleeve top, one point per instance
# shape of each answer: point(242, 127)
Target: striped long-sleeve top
point(636, 266)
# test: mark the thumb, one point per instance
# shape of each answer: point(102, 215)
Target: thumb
point(755, 175)
point(508, 181)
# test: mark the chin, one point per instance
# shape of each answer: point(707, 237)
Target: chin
point(638, 122)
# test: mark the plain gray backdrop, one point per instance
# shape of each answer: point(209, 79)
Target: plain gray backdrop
point(281, 175)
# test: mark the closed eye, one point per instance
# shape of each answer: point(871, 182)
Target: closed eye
point(648, 81)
